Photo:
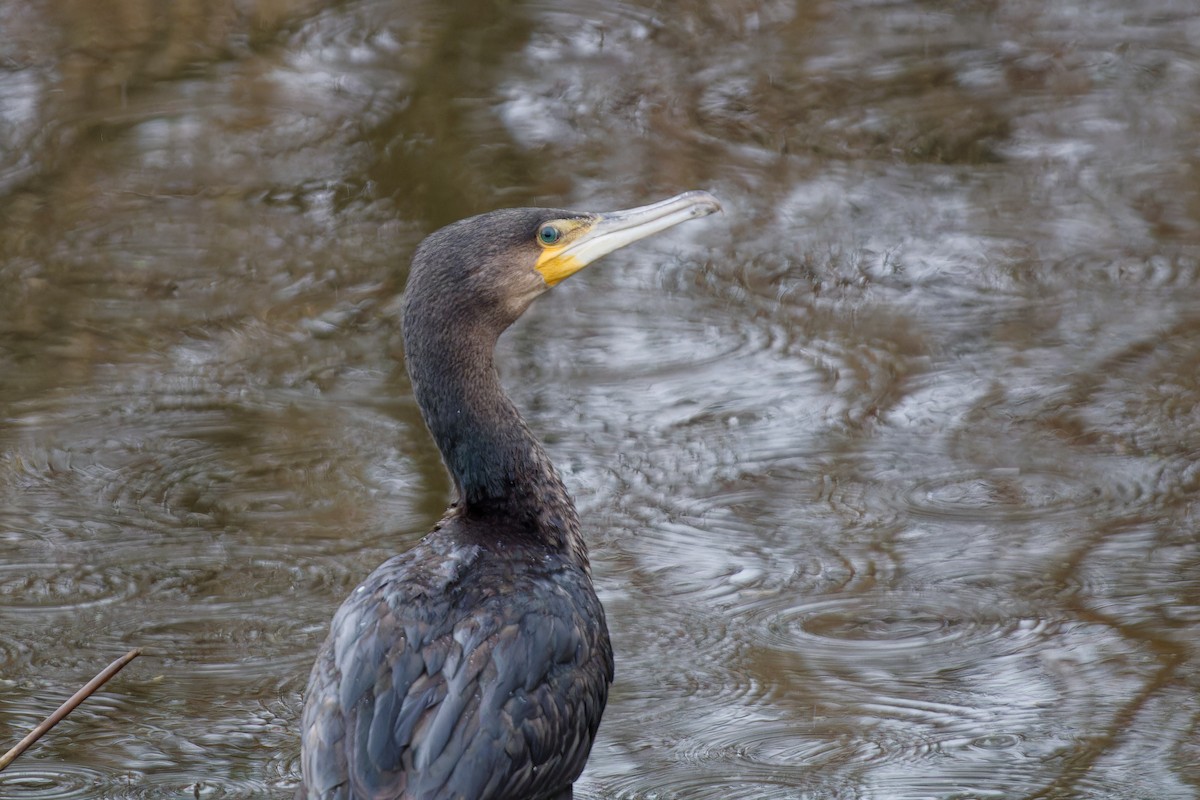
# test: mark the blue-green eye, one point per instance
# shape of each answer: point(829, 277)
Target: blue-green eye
point(548, 234)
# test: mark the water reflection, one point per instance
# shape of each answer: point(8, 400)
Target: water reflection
point(890, 480)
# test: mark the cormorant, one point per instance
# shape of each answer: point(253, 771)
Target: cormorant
point(476, 665)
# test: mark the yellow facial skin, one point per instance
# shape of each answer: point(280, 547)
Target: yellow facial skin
point(583, 239)
point(558, 261)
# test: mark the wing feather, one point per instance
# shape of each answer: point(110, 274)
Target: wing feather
point(438, 686)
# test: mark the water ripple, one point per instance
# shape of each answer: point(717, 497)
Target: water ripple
point(613, 317)
point(12, 653)
point(861, 632)
point(210, 787)
point(1001, 493)
point(159, 460)
point(205, 625)
point(62, 782)
point(716, 783)
point(30, 587)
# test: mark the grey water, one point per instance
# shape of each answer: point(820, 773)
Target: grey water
point(890, 473)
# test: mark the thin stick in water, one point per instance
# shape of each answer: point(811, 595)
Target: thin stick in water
point(69, 706)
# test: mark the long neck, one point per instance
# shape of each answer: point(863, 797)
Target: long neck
point(503, 476)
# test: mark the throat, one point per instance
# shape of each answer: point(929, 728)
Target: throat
point(504, 479)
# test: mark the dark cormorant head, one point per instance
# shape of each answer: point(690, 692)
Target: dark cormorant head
point(486, 270)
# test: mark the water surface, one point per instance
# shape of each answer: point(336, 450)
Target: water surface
point(889, 474)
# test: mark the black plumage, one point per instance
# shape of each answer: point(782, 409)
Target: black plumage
point(476, 665)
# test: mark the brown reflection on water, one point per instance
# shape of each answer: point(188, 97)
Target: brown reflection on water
point(890, 474)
